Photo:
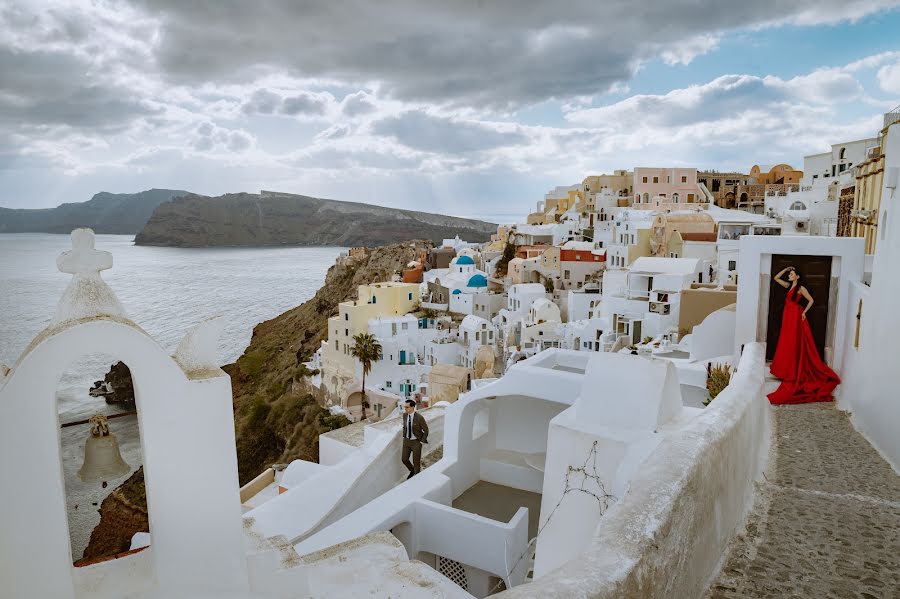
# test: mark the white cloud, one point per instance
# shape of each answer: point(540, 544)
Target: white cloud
point(889, 78)
point(685, 52)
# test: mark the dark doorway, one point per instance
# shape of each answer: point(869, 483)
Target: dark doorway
point(815, 275)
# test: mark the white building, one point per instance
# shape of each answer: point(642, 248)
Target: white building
point(541, 328)
point(643, 301)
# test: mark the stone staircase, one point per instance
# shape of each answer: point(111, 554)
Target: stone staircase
point(826, 522)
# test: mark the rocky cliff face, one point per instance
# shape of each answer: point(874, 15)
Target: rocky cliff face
point(116, 387)
point(271, 218)
point(276, 418)
point(115, 213)
point(122, 513)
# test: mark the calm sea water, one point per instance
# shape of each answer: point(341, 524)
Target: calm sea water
point(165, 291)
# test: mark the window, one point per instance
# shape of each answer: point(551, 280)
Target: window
point(732, 264)
point(656, 179)
point(404, 326)
point(374, 299)
point(578, 256)
point(645, 179)
point(336, 346)
point(684, 179)
point(388, 384)
point(566, 275)
point(690, 198)
point(843, 153)
point(346, 332)
point(410, 297)
point(858, 321)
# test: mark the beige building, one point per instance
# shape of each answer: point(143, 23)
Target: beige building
point(620, 183)
point(867, 199)
point(374, 301)
point(699, 301)
point(446, 382)
point(667, 224)
point(723, 186)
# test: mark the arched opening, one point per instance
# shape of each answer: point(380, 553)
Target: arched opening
point(646, 198)
point(843, 153)
point(353, 405)
point(743, 198)
point(106, 502)
point(675, 197)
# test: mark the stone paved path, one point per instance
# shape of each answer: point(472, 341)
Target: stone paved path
point(827, 522)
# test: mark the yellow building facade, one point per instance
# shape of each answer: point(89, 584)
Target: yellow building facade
point(375, 300)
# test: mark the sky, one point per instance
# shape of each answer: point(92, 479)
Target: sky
point(472, 108)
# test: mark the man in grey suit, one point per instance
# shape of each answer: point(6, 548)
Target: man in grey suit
point(415, 432)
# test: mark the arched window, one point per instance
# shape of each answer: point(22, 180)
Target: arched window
point(798, 206)
point(646, 198)
point(675, 197)
point(843, 153)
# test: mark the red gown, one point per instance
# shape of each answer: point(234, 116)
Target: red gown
point(805, 377)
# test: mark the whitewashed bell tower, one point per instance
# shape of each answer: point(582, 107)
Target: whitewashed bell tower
point(187, 437)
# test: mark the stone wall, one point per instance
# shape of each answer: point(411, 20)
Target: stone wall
point(667, 535)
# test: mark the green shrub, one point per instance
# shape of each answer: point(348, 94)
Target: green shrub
point(718, 376)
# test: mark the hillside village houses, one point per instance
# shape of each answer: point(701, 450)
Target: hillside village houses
point(597, 265)
point(556, 424)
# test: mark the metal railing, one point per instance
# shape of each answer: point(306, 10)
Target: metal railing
point(892, 117)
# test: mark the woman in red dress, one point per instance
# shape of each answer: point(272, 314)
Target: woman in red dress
point(805, 377)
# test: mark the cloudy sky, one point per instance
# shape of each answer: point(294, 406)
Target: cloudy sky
point(463, 107)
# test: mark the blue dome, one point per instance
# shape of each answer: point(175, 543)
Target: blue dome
point(465, 260)
point(456, 292)
point(478, 281)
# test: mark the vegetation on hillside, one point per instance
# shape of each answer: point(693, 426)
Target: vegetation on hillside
point(278, 417)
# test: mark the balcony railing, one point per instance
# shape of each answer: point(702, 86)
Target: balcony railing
point(892, 117)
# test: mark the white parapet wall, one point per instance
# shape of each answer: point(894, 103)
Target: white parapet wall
point(666, 536)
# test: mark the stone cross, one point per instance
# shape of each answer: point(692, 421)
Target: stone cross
point(87, 296)
point(83, 260)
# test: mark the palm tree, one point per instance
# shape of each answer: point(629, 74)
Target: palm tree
point(366, 349)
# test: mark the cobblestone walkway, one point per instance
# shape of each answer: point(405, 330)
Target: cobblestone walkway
point(826, 524)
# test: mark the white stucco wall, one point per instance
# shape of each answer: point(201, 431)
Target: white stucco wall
point(870, 374)
point(666, 536)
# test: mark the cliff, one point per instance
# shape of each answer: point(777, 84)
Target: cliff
point(122, 513)
point(272, 218)
point(116, 387)
point(114, 213)
point(276, 417)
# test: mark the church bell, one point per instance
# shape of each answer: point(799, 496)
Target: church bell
point(102, 459)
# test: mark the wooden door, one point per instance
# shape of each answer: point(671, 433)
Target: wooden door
point(815, 275)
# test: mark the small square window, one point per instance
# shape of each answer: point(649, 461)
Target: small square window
point(656, 179)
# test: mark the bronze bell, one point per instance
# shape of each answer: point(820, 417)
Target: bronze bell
point(102, 459)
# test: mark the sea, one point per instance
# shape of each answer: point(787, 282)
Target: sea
point(164, 290)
